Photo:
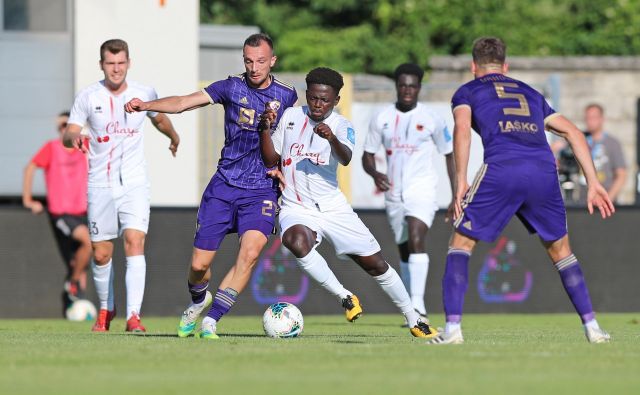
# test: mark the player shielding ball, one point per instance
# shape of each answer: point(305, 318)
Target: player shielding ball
point(519, 177)
point(411, 133)
point(240, 197)
point(118, 189)
point(309, 144)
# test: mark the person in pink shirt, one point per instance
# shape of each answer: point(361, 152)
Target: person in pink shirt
point(65, 172)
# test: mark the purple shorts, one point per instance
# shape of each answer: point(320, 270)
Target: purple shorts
point(227, 209)
point(529, 190)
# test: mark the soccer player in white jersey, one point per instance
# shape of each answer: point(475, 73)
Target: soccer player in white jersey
point(118, 191)
point(309, 143)
point(411, 134)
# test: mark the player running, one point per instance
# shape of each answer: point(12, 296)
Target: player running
point(240, 197)
point(65, 172)
point(118, 191)
point(309, 143)
point(411, 133)
point(519, 177)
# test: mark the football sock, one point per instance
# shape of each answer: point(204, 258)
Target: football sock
point(317, 268)
point(135, 279)
point(222, 303)
point(198, 292)
point(101, 280)
point(573, 281)
point(392, 285)
point(454, 283)
point(418, 269)
point(110, 300)
point(452, 327)
point(405, 275)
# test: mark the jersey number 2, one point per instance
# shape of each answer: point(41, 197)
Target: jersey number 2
point(523, 110)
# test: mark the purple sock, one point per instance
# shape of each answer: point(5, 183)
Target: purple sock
point(198, 292)
point(574, 284)
point(222, 303)
point(454, 283)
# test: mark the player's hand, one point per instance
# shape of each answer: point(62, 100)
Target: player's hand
point(598, 197)
point(173, 146)
point(135, 105)
point(382, 182)
point(267, 119)
point(461, 191)
point(78, 143)
point(323, 130)
point(449, 216)
point(276, 174)
point(35, 206)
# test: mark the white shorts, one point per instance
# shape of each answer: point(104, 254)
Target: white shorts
point(423, 207)
point(342, 227)
point(114, 209)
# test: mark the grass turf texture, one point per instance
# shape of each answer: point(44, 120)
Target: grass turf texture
point(521, 354)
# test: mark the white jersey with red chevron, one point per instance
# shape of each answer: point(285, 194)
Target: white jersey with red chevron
point(116, 144)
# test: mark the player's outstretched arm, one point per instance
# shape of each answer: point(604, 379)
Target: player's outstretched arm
point(170, 105)
point(269, 155)
point(27, 198)
point(369, 165)
point(461, 152)
point(164, 126)
point(596, 194)
point(72, 137)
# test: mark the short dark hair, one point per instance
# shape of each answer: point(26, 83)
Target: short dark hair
point(325, 76)
point(410, 69)
point(65, 113)
point(488, 50)
point(595, 105)
point(254, 40)
point(114, 46)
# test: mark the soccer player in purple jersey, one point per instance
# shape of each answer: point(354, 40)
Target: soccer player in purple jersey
point(519, 177)
point(240, 198)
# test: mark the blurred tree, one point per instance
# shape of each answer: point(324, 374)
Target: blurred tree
point(373, 36)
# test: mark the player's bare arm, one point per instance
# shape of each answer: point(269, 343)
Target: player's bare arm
point(269, 155)
point(461, 150)
point(340, 151)
point(596, 194)
point(27, 197)
point(369, 165)
point(169, 105)
point(73, 138)
point(164, 126)
point(451, 172)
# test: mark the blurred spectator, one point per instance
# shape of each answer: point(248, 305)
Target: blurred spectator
point(606, 153)
point(66, 175)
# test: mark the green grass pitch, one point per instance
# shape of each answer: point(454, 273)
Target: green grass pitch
point(503, 354)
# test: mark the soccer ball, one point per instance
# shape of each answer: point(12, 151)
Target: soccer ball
point(81, 310)
point(282, 320)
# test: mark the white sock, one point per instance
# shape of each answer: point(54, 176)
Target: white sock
point(101, 280)
point(392, 285)
point(418, 269)
point(593, 324)
point(452, 327)
point(110, 300)
point(317, 268)
point(405, 275)
point(135, 278)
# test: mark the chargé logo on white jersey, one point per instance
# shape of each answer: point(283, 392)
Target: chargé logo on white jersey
point(116, 147)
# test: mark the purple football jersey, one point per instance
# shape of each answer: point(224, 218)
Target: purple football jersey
point(510, 117)
point(240, 162)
